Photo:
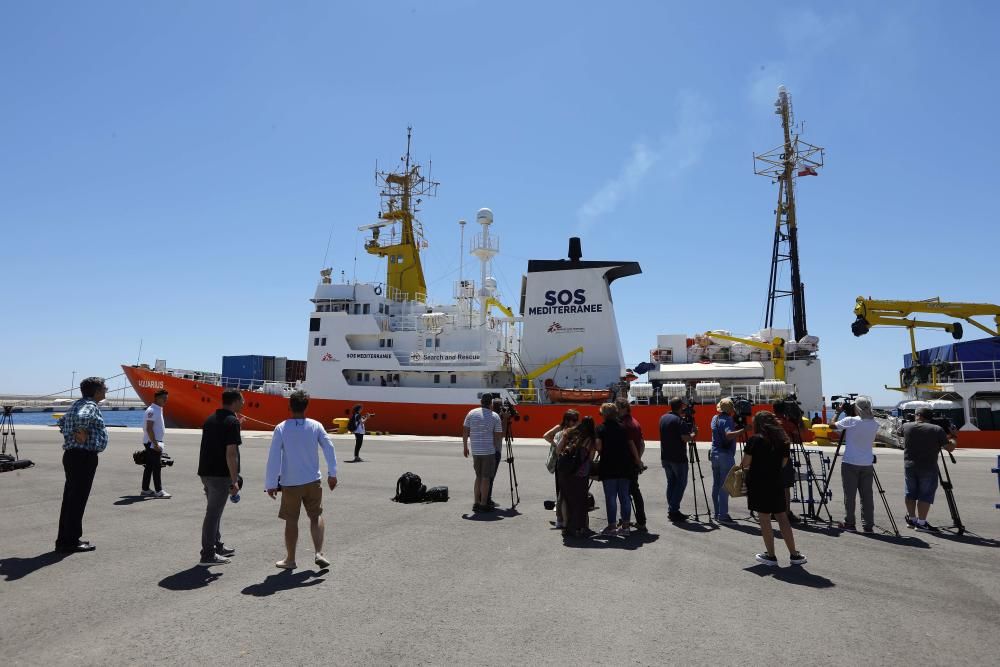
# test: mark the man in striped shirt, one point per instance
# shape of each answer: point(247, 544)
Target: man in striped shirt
point(483, 427)
point(84, 437)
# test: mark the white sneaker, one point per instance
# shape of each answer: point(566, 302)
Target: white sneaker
point(322, 560)
point(146, 492)
point(161, 494)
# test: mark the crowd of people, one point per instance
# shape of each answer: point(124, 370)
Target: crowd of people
point(580, 450)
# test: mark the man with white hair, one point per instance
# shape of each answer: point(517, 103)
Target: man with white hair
point(857, 471)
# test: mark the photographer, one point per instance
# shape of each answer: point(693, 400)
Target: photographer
point(356, 425)
point(723, 456)
point(634, 432)
point(619, 458)
point(857, 472)
point(483, 427)
point(922, 441)
point(676, 430)
point(152, 440)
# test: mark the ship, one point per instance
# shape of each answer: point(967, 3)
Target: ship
point(420, 366)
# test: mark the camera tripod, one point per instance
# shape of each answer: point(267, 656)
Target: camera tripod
point(949, 493)
point(826, 495)
point(694, 459)
point(809, 494)
point(7, 431)
point(508, 437)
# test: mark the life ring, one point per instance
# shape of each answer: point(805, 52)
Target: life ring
point(493, 323)
point(378, 290)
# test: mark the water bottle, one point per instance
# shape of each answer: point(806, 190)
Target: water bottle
point(235, 497)
point(239, 485)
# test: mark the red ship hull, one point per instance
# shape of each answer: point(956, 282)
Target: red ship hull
point(191, 403)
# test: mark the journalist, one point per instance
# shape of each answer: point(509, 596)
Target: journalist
point(922, 441)
point(723, 456)
point(554, 437)
point(219, 469)
point(152, 440)
point(634, 432)
point(857, 471)
point(675, 433)
point(484, 429)
point(575, 451)
point(619, 458)
point(764, 456)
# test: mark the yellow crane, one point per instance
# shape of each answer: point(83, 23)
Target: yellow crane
point(776, 347)
point(530, 377)
point(880, 312)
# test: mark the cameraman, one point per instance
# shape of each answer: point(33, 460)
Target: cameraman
point(676, 430)
point(634, 432)
point(922, 441)
point(723, 456)
point(857, 472)
point(152, 440)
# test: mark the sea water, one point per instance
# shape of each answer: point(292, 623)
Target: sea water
point(111, 418)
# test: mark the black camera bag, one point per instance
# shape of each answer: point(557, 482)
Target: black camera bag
point(437, 494)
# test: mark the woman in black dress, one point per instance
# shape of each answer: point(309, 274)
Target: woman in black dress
point(575, 452)
point(764, 456)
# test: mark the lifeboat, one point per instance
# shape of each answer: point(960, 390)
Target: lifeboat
point(560, 395)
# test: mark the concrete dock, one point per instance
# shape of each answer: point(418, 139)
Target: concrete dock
point(434, 584)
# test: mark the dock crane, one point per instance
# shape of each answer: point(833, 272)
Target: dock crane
point(529, 377)
point(875, 312)
point(776, 347)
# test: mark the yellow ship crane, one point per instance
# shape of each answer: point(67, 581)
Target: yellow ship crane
point(499, 306)
point(776, 347)
point(401, 194)
point(530, 377)
point(875, 312)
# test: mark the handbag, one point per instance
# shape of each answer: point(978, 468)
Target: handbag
point(736, 482)
point(550, 460)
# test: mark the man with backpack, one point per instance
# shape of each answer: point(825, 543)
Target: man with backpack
point(484, 428)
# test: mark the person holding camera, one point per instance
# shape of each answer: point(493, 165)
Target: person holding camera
point(619, 459)
point(356, 425)
point(676, 430)
point(723, 456)
point(554, 437)
point(575, 452)
point(857, 471)
point(634, 432)
point(152, 437)
point(922, 442)
point(764, 456)
point(293, 470)
point(219, 469)
point(484, 429)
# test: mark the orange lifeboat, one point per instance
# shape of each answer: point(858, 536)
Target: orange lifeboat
point(560, 395)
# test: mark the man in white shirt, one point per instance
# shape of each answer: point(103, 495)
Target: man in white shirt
point(152, 440)
point(857, 471)
point(483, 427)
point(293, 470)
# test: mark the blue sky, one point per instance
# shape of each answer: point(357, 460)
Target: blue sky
point(171, 172)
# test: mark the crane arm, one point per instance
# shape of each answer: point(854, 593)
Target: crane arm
point(502, 308)
point(881, 312)
point(549, 366)
point(775, 347)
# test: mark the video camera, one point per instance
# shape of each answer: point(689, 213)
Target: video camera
point(844, 404)
point(687, 412)
point(140, 458)
point(743, 407)
point(508, 409)
point(790, 407)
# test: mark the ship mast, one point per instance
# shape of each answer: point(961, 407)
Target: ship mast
point(401, 192)
point(783, 164)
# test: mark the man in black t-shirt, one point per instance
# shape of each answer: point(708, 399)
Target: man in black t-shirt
point(922, 441)
point(675, 433)
point(219, 469)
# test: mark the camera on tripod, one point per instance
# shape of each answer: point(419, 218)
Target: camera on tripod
point(743, 408)
point(687, 413)
point(508, 409)
point(790, 407)
point(844, 404)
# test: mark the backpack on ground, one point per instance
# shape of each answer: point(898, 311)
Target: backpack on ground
point(409, 489)
point(436, 494)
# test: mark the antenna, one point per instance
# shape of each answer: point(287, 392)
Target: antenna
point(461, 250)
point(783, 165)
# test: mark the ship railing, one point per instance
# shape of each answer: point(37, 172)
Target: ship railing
point(973, 371)
point(396, 294)
point(480, 242)
point(276, 387)
point(523, 394)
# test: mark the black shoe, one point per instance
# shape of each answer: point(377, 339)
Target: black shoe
point(641, 528)
point(493, 503)
point(74, 549)
point(677, 516)
point(224, 551)
point(487, 508)
point(792, 518)
point(868, 529)
point(477, 508)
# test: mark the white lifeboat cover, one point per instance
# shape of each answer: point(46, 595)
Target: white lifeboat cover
point(712, 371)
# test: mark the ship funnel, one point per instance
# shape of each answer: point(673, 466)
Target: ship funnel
point(575, 252)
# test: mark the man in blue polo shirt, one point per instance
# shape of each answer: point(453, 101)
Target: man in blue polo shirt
point(84, 437)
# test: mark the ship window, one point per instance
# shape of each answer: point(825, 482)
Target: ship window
point(357, 308)
point(388, 342)
point(315, 341)
point(367, 378)
point(454, 378)
point(313, 324)
point(381, 342)
point(367, 309)
point(359, 377)
point(428, 342)
point(322, 342)
point(437, 342)
point(437, 379)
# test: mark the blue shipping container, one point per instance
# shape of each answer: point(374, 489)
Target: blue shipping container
point(243, 371)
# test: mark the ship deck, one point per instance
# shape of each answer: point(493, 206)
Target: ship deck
point(428, 584)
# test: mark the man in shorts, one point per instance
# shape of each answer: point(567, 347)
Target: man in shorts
point(922, 441)
point(485, 429)
point(293, 470)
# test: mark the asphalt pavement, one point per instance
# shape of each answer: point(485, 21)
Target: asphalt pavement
point(436, 584)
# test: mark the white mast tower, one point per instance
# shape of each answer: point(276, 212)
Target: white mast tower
point(485, 247)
